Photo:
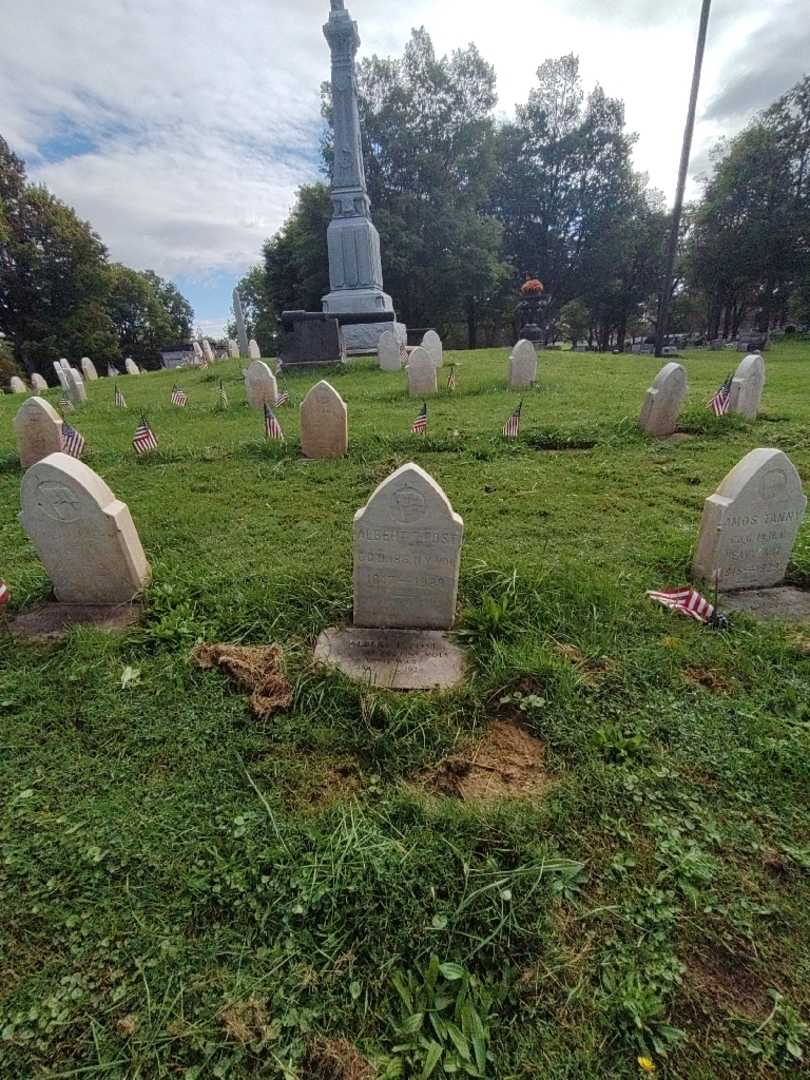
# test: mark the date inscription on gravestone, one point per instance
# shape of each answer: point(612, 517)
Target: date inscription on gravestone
point(394, 659)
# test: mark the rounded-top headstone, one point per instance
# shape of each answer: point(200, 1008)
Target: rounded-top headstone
point(432, 344)
point(38, 383)
point(17, 385)
point(662, 403)
point(422, 381)
point(84, 535)
point(38, 430)
point(89, 369)
point(61, 374)
point(522, 366)
point(76, 387)
point(746, 386)
point(388, 351)
point(407, 549)
point(208, 352)
point(233, 349)
point(254, 352)
point(261, 387)
point(131, 367)
point(324, 422)
point(750, 523)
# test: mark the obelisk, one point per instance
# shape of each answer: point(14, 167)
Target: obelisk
point(355, 269)
point(241, 332)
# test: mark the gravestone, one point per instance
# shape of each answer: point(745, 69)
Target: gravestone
point(76, 387)
point(84, 536)
point(324, 423)
point(261, 387)
point(89, 369)
point(38, 430)
point(750, 523)
point(393, 659)
point(38, 383)
point(669, 350)
point(198, 353)
point(233, 349)
point(746, 387)
point(254, 352)
point(432, 344)
point(241, 331)
point(422, 381)
point(311, 339)
point(208, 352)
point(659, 412)
point(61, 375)
point(522, 366)
point(131, 367)
point(388, 351)
point(407, 549)
point(17, 386)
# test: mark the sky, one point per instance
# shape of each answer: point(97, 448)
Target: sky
point(181, 128)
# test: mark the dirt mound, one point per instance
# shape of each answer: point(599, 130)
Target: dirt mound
point(336, 1059)
point(256, 668)
point(507, 763)
point(728, 982)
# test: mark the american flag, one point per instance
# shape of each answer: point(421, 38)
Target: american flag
point(451, 378)
point(403, 352)
point(272, 428)
point(720, 402)
point(419, 426)
point(511, 429)
point(144, 440)
point(283, 398)
point(686, 601)
point(223, 397)
point(5, 594)
point(112, 371)
point(179, 397)
point(120, 401)
point(65, 404)
point(72, 441)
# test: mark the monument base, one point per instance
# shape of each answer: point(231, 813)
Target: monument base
point(362, 337)
point(54, 621)
point(392, 659)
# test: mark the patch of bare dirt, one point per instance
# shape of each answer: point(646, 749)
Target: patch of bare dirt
point(729, 983)
point(256, 668)
point(245, 1021)
point(590, 671)
point(507, 763)
point(337, 1059)
point(709, 680)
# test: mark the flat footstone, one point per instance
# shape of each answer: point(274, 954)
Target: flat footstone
point(395, 659)
point(53, 621)
point(784, 602)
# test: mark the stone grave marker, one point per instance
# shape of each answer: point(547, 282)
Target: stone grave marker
point(746, 387)
point(198, 353)
point(750, 523)
point(393, 659)
point(38, 430)
point(324, 423)
point(84, 536)
point(76, 387)
point(388, 351)
point(208, 352)
point(38, 383)
point(61, 374)
point(663, 401)
point(131, 367)
point(522, 372)
point(422, 380)
point(261, 387)
point(254, 352)
point(89, 369)
point(17, 386)
point(432, 344)
point(233, 349)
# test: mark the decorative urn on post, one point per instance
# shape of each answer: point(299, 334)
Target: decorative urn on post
point(531, 311)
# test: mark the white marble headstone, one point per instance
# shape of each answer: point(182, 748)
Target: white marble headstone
point(208, 352)
point(662, 403)
point(422, 381)
point(407, 550)
point(61, 374)
point(254, 352)
point(750, 523)
point(261, 387)
point(131, 367)
point(198, 353)
point(746, 387)
point(388, 351)
point(17, 385)
point(233, 349)
point(523, 366)
point(432, 344)
point(84, 535)
point(38, 383)
point(324, 423)
point(89, 369)
point(76, 387)
point(38, 430)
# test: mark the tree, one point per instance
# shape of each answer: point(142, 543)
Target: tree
point(147, 313)
point(296, 268)
point(179, 311)
point(575, 321)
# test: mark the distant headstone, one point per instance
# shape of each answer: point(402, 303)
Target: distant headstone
point(587, 348)
point(388, 351)
point(669, 350)
point(89, 369)
point(38, 430)
point(261, 387)
point(76, 388)
point(750, 523)
point(432, 344)
point(310, 339)
point(422, 381)
point(254, 352)
point(61, 374)
point(38, 383)
point(131, 367)
point(198, 353)
point(324, 423)
point(83, 534)
point(17, 385)
point(716, 344)
point(241, 331)
point(233, 349)
point(746, 387)
point(208, 352)
point(407, 549)
point(659, 412)
point(522, 366)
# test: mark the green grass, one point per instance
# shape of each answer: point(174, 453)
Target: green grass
point(187, 892)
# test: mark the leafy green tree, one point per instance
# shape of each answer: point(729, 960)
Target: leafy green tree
point(295, 261)
point(147, 313)
point(575, 320)
point(178, 310)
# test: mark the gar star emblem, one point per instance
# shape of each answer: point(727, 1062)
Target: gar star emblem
point(58, 501)
point(410, 503)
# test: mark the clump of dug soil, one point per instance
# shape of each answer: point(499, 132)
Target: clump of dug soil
point(337, 1059)
point(256, 668)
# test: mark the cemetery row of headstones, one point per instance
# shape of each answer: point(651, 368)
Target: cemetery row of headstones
point(663, 401)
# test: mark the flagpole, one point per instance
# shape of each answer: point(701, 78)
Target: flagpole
point(665, 295)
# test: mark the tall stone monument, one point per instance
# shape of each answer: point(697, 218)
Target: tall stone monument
point(241, 331)
point(355, 268)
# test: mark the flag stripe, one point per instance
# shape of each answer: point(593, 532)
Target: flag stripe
point(686, 601)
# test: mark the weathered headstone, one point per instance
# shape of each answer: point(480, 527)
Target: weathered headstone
point(84, 535)
point(659, 412)
point(522, 366)
point(324, 423)
point(422, 380)
point(38, 430)
point(233, 349)
point(746, 387)
point(208, 352)
point(432, 344)
point(389, 354)
point(254, 352)
point(38, 383)
point(198, 353)
point(750, 523)
point(76, 387)
point(17, 385)
point(310, 339)
point(131, 367)
point(261, 387)
point(241, 331)
point(393, 659)
point(89, 369)
point(407, 549)
point(61, 374)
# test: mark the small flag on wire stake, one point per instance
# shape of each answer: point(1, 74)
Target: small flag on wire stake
point(119, 399)
point(179, 397)
point(5, 594)
point(511, 429)
point(72, 442)
point(283, 398)
point(403, 353)
point(419, 426)
point(65, 404)
point(720, 402)
point(451, 378)
point(144, 439)
point(272, 428)
point(223, 397)
point(689, 602)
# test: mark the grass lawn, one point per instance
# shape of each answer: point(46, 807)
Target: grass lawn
point(186, 891)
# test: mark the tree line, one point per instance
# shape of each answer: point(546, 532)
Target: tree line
point(60, 296)
point(466, 205)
